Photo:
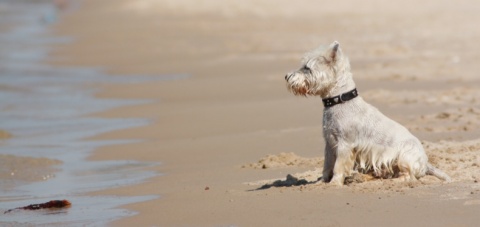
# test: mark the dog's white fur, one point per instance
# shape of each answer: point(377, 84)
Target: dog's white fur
point(357, 135)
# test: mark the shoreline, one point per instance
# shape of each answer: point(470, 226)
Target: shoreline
point(234, 110)
point(48, 118)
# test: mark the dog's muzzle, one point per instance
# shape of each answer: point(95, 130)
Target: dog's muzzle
point(288, 76)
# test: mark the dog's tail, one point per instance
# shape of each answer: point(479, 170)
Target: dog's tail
point(431, 170)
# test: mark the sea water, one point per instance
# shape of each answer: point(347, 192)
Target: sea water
point(48, 111)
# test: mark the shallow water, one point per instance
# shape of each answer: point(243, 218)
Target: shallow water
point(47, 110)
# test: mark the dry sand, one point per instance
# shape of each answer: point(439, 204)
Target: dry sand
point(232, 127)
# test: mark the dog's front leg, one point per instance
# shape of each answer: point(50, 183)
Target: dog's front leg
point(329, 163)
point(343, 165)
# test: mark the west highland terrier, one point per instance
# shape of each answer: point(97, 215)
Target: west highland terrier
point(358, 136)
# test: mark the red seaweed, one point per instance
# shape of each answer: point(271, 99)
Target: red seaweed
point(52, 204)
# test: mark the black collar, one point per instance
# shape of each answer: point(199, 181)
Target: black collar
point(329, 102)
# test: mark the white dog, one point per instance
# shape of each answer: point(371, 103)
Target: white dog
point(357, 135)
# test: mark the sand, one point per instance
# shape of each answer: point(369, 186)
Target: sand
point(230, 127)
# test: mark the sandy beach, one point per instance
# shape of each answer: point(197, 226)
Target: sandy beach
point(228, 126)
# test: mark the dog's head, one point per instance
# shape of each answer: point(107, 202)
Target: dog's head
point(322, 70)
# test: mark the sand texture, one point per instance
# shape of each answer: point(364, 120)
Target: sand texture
point(237, 149)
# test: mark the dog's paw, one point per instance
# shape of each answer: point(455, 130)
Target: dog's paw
point(337, 181)
point(357, 178)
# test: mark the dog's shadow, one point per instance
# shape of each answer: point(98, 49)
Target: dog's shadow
point(290, 181)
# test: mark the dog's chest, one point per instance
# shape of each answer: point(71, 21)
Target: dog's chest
point(342, 121)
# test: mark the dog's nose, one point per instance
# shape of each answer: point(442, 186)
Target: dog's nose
point(288, 76)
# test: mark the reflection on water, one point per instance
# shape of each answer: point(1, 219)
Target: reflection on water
point(45, 110)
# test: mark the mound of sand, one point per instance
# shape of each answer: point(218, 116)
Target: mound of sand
point(460, 160)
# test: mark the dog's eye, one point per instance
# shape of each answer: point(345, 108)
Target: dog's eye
point(305, 68)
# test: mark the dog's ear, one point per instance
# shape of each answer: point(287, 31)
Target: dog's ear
point(333, 52)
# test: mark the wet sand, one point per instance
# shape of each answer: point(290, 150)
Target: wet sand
point(4, 135)
point(211, 131)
